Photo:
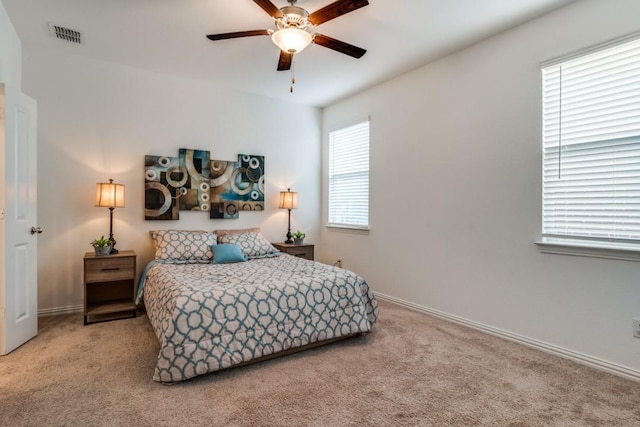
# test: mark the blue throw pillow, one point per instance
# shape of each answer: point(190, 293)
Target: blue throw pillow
point(225, 253)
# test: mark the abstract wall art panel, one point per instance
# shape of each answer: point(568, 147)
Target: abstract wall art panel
point(193, 181)
point(244, 185)
point(163, 178)
point(194, 194)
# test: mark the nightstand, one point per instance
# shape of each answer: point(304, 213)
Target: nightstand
point(109, 286)
point(303, 251)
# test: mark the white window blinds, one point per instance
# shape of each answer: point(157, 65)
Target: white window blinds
point(591, 146)
point(349, 176)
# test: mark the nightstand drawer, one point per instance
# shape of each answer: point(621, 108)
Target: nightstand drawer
point(109, 269)
point(302, 251)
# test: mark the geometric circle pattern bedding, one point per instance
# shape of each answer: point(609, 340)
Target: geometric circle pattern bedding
point(209, 317)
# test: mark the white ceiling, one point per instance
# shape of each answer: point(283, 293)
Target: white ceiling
point(168, 36)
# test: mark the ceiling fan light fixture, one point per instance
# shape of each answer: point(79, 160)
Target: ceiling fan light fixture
point(291, 40)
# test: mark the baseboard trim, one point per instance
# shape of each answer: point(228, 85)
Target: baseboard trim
point(60, 310)
point(581, 358)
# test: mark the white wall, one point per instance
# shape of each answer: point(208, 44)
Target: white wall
point(10, 51)
point(98, 120)
point(455, 203)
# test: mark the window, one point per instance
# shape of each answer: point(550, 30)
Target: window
point(349, 177)
point(591, 148)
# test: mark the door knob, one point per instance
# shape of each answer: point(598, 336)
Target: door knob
point(36, 230)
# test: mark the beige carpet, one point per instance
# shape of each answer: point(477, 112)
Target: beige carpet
point(413, 370)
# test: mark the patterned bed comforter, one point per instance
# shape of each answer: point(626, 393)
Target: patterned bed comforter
point(211, 316)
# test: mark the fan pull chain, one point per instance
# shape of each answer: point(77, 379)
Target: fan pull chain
point(293, 78)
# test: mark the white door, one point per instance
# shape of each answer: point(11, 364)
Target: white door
point(18, 215)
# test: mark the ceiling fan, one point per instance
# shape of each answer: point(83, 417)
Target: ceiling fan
point(292, 29)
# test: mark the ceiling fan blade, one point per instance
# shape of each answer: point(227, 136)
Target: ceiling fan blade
point(337, 45)
point(284, 62)
point(336, 9)
point(269, 7)
point(224, 36)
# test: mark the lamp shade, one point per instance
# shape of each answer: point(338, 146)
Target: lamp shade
point(291, 40)
point(109, 195)
point(288, 199)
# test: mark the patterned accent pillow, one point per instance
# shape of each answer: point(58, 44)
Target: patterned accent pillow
point(221, 233)
point(183, 246)
point(254, 245)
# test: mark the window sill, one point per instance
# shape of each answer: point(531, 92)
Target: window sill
point(347, 229)
point(619, 251)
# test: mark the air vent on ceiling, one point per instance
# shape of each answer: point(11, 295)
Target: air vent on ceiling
point(66, 34)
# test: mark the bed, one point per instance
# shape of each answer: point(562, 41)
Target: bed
point(209, 314)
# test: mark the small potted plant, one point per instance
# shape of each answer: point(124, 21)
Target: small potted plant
point(298, 237)
point(102, 246)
